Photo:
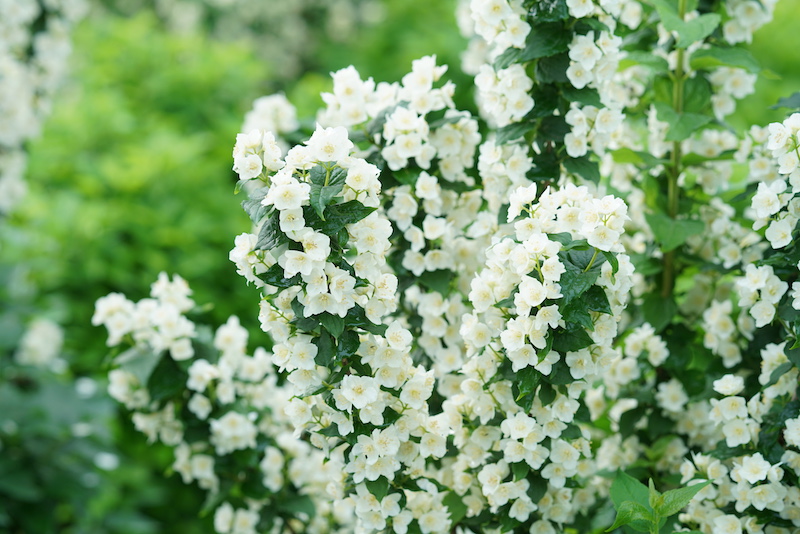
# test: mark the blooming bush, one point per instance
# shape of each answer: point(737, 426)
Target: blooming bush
point(33, 58)
point(507, 327)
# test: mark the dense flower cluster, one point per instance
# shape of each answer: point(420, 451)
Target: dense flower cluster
point(476, 331)
point(33, 62)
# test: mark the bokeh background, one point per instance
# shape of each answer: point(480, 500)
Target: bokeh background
point(131, 176)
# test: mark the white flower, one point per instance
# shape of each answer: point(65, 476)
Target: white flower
point(359, 390)
point(329, 144)
point(729, 385)
point(792, 432)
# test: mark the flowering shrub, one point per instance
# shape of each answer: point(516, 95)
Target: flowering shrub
point(506, 329)
point(33, 57)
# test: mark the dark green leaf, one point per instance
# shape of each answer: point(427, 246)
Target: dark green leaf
point(571, 339)
point(527, 380)
point(546, 394)
point(583, 167)
point(553, 128)
point(337, 216)
point(574, 282)
point(296, 505)
point(551, 70)
point(357, 318)
point(586, 96)
point(406, 176)
point(455, 506)
point(507, 58)
point(325, 349)
point(167, 379)
point(546, 40)
point(255, 209)
point(779, 371)
point(347, 346)
point(270, 236)
point(520, 470)
point(513, 131)
point(332, 323)
point(437, 280)
point(379, 488)
point(274, 277)
point(549, 10)
point(321, 196)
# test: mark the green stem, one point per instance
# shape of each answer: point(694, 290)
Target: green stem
point(674, 168)
point(591, 262)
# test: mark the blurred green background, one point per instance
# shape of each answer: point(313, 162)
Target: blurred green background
point(132, 176)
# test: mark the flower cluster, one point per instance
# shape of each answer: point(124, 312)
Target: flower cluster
point(226, 405)
point(33, 61)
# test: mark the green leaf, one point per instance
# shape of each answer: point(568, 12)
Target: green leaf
point(583, 167)
point(321, 196)
point(139, 362)
point(675, 500)
point(167, 379)
point(337, 216)
point(357, 318)
point(571, 339)
point(544, 40)
point(549, 70)
point(793, 354)
point(586, 96)
point(681, 125)
point(296, 505)
point(406, 176)
point(270, 236)
point(645, 59)
point(456, 507)
point(658, 311)
point(513, 131)
point(547, 394)
point(654, 496)
point(325, 349)
point(253, 206)
point(713, 57)
point(574, 282)
point(549, 10)
point(690, 31)
point(348, 344)
point(633, 514)
point(437, 280)
point(697, 29)
point(379, 487)
point(644, 159)
point(779, 371)
point(527, 380)
point(671, 233)
point(520, 470)
point(332, 323)
point(274, 276)
point(791, 102)
point(626, 488)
